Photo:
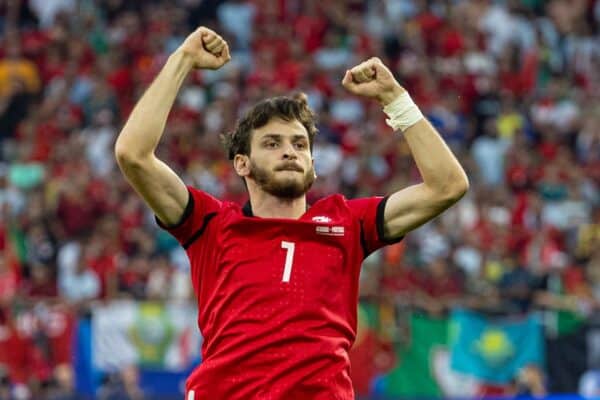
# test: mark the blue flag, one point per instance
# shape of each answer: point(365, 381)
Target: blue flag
point(494, 350)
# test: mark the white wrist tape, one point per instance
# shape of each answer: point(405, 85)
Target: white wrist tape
point(402, 113)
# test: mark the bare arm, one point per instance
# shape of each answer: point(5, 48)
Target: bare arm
point(444, 180)
point(154, 181)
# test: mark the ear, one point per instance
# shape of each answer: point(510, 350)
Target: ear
point(312, 161)
point(241, 163)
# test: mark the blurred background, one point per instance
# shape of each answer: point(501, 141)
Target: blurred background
point(500, 296)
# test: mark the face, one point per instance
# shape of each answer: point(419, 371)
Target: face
point(280, 161)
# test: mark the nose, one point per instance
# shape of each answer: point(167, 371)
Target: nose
point(289, 153)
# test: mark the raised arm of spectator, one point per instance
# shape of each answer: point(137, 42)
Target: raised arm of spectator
point(155, 182)
point(444, 180)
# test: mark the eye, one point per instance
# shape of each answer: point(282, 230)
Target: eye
point(300, 145)
point(271, 144)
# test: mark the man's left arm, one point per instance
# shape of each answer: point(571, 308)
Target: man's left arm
point(444, 180)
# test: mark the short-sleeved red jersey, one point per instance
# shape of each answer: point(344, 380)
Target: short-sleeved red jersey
point(277, 298)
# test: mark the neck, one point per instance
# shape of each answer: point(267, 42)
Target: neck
point(265, 205)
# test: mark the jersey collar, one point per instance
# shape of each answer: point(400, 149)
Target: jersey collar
point(247, 209)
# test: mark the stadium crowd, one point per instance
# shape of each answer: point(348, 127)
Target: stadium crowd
point(512, 85)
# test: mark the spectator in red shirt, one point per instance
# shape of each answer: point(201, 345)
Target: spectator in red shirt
point(8, 281)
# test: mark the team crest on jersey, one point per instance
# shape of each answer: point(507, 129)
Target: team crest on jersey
point(321, 218)
point(330, 230)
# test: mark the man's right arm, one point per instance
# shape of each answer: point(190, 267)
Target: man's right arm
point(159, 186)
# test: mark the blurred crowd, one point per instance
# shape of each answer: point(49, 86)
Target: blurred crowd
point(513, 86)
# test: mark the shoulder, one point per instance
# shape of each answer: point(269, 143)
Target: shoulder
point(203, 207)
point(358, 205)
point(336, 198)
point(330, 203)
point(338, 206)
point(199, 196)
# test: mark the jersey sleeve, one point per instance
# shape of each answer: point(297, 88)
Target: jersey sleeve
point(200, 209)
point(369, 211)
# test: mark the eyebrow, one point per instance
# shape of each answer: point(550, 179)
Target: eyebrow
point(278, 136)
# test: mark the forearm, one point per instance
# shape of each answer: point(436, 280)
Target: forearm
point(147, 121)
point(445, 182)
point(439, 168)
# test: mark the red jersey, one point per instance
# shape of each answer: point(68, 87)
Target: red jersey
point(277, 298)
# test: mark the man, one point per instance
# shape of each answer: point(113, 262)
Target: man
point(276, 281)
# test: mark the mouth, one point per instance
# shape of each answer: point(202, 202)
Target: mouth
point(290, 167)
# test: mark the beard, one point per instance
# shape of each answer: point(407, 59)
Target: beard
point(285, 188)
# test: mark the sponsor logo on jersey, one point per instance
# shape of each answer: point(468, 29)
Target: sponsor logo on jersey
point(330, 230)
point(321, 218)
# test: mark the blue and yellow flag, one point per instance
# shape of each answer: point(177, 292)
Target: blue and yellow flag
point(494, 350)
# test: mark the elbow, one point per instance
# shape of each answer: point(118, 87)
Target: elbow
point(455, 189)
point(461, 187)
point(120, 152)
point(120, 149)
point(125, 156)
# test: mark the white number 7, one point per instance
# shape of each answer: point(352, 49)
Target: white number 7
point(289, 259)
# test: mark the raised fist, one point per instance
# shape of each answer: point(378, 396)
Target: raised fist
point(372, 79)
point(207, 49)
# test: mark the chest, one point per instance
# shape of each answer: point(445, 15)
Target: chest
point(300, 260)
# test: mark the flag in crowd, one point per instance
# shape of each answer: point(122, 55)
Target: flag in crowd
point(468, 355)
point(153, 335)
point(494, 350)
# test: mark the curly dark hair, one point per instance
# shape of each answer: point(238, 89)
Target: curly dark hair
point(284, 107)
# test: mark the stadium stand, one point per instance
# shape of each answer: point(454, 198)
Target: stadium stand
point(512, 85)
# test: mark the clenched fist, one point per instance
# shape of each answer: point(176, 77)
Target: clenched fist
point(207, 49)
point(372, 79)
